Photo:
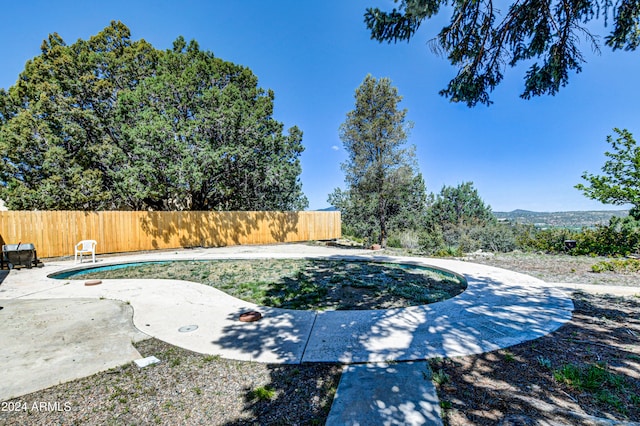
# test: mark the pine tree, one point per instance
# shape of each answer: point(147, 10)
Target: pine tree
point(381, 171)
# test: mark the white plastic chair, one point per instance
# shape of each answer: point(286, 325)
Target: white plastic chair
point(86, 247)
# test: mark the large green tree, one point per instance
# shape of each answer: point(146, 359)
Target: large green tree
point(383, 186)
point(483, 38)
point(620, 183)
point(458, 217)
point(200, 135)
point(112, 123)
point(457, 206)
point(57, 129)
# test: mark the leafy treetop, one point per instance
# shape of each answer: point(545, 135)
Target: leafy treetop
point(483, 37)
point(620, 183)
point(112, 123)
point(459, 206)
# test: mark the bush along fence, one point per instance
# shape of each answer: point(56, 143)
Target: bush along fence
point(54, 233)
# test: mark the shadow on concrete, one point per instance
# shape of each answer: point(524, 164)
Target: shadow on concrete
point(386, 394)
point(493, 313)
point(526, 391)
point(279, 336)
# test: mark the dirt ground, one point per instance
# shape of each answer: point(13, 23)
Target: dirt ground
point(585, 373)
point(555, 268)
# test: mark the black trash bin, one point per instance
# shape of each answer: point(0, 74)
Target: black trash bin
point(19, 255)
point(570, 244)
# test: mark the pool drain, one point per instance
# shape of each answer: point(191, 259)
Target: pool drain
point(187, 328)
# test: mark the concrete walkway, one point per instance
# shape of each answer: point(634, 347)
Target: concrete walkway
point(386, 394)
point(499, 308)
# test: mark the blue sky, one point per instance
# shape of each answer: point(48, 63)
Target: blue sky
point(519, 154)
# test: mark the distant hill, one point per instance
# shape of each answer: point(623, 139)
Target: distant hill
point(575, 219)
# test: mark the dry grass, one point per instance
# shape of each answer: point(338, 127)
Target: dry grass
point(585, 373)
point(516, 386)
point(307, 284)
point(185, 388)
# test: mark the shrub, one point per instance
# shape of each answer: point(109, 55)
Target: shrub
point(495, 237)
point(617, 265)
point(394, 241)
point(544, 362)
point(602, 267)
point(449, 252)
point(263, 393)
point(440, 377)
point(620, 237)
point(467, 240)
point(409, 239)
point(547, 240)
point(431, 241)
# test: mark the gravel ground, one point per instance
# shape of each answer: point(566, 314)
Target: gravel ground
point(555, 268)
point(186, 388)
point(526, 384)
point(519, 385)
point(509, 387)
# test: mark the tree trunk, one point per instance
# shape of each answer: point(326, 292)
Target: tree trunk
point(383, 223)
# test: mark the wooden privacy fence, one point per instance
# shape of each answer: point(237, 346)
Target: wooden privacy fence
point(54, 233)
